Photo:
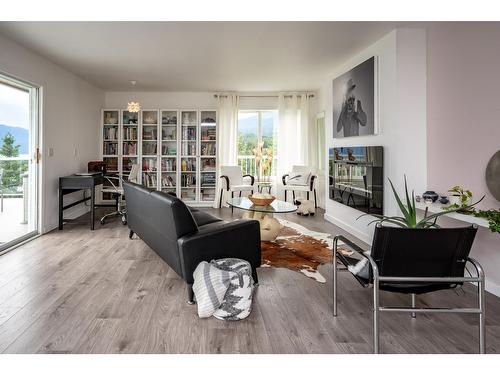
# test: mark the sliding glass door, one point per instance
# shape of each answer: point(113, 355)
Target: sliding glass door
point(19, 162)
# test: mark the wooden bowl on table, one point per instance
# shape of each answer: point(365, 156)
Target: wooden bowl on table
point(261, 201)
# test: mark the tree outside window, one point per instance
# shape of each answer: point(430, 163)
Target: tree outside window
point(255, 127)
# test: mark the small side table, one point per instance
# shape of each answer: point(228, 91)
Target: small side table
point(261, 185)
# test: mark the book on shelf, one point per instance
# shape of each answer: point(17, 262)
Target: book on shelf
point(208, 149)
point(129, 148)
point(111, 164)
point(189, 133)
point(208, 165)
point(149, 164)
point(169, 149)
point(188, 180)
point(130, 133)
point(208, 179)
point(111, 133)
point(188, 165)
point(168, 164)
point(149, 133)
point(188, 149)
point(208, 134)
point(149, 179)
point(110, 148)
point(149, 148)
point(167, 181)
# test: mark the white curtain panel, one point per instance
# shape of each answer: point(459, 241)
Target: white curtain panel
point(293, 133)
point(227, 136)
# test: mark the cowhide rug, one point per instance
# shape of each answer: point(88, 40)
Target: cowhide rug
point(298, 248)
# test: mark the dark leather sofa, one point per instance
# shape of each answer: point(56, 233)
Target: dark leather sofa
point(183, 236)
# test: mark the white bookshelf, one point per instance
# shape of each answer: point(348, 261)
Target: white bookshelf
point(175, 149)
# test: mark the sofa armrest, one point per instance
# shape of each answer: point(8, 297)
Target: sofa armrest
point(238, 239)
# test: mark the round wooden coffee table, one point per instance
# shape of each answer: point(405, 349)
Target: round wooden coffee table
point(269, 226)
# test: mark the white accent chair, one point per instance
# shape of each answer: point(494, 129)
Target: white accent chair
point(234, 180)
point(301, 178)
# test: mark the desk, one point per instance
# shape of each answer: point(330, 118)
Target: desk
point(70, 184)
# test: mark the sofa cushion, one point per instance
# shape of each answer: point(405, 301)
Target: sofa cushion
point(203, 218)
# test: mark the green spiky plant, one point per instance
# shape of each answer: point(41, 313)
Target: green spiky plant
point(409, 211)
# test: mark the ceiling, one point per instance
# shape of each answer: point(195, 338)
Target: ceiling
point(198, 56)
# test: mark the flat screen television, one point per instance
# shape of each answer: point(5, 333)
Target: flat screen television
point(356, 177)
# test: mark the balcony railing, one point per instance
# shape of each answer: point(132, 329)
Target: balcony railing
point(248, 165)
point(15, 190)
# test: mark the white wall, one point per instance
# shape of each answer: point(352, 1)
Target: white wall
point(401, 57)
point(462, 118)
point(70, 120)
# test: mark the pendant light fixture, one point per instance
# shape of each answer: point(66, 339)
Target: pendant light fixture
point(132, 106)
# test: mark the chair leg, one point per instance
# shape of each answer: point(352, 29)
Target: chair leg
point(293, 195)
point(334, 278)
point(307, 195)
point(482, 326)
point(413, 304)
point(220, 201)
point(190, 294)
point(232, 197)
point(255, 277)
point(131, 234)
point(376, 317)
point(285, 195)
point(240, 194)
point(315, 200)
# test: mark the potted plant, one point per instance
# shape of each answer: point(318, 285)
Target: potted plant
point(493, 217)
point(409, 211)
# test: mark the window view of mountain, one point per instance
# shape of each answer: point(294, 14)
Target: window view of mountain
point(21, 136)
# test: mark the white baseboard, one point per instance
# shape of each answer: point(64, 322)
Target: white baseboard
point(71, 214)
point(349, 228)
point(492, 287)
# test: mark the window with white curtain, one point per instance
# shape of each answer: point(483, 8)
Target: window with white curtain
point(255, 127)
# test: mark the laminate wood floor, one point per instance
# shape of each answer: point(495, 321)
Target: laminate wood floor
point(77, 291)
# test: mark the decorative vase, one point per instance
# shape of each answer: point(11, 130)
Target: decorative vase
point(430, 195)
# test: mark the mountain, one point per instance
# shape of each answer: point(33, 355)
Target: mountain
point(247, 126)
point(21, 136)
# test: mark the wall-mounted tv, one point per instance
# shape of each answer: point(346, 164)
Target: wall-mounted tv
point(356, 177)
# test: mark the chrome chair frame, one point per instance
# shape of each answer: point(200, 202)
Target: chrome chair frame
point(120, 206)
point(377, 309)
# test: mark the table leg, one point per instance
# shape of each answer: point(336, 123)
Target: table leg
point(269, 226)
point(60, 208)
point(92, 207)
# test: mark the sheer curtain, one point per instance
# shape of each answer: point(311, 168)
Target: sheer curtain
point(293, 132)
point(227, 136)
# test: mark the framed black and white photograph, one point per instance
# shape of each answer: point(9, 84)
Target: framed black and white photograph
point(354, 101)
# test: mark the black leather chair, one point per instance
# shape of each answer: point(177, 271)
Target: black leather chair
point(184, 237)
point(415, 261)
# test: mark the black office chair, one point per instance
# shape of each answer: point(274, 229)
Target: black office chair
point(415, 261)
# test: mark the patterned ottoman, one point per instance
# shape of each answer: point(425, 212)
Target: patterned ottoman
point(223, 288)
